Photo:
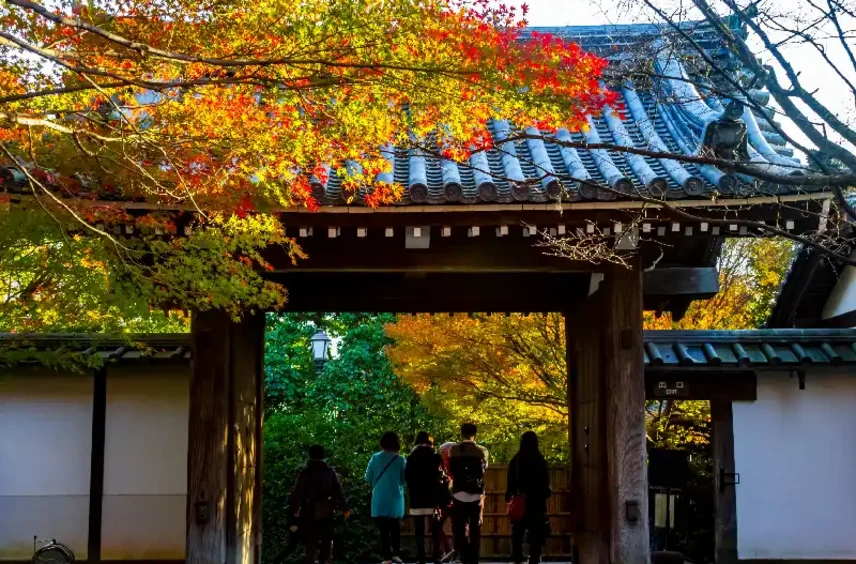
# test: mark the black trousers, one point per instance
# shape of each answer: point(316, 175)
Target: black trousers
point(390, 536)
point(419, 529)
point(538, 529)
point(467, 514)
point(318, 540)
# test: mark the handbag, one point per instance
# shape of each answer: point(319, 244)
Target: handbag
point(517, 507)
point(517, 504)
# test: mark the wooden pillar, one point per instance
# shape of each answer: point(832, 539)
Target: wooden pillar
point(96, 465)
point(726, 497)
point(607, 403)
point(584, 338)
point(224, 446)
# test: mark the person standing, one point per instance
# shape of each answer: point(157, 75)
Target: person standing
point(425, 480)
point(385, 473)
point(467, 463)
point(529, 484)
point(444, 450)
point(317, 494)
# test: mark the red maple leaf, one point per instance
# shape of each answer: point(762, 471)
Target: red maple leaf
point(245, 206)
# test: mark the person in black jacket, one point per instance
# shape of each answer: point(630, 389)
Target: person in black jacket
point(529, 476)
point(316, 496)
point(467, 464)
point(425, 481)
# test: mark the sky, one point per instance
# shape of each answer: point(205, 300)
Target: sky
point(814, 71)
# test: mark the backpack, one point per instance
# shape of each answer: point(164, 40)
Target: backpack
point(318, 501)
point(468, 472)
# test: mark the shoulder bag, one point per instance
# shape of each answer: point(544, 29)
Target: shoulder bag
point(517, 504)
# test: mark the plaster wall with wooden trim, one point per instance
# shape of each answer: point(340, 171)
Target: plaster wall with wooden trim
point(796, 455)
point(45, 444)
point(45, 450)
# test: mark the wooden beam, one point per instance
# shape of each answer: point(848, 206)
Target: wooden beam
point(710, 384)
point(96, 464)
point(434, 293)
point(224, 439)
point(725, 531)
point(627, 484)
point(405, 292)
point(462, 251)
point(804, 268)
point(697, 283)
point(772, 204)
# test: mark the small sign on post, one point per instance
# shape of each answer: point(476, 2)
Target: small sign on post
point(674, 389)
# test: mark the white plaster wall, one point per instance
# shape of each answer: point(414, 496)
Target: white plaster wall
point(145, 468)
point(795, 451)
point(842, 299)
point(45, 449)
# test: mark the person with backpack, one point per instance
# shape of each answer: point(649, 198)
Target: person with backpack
point(316, 496)
point(385, 473)
point(527, 492)
point(429, 493)
point(467, 463)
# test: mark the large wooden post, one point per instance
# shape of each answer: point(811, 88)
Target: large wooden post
point(722, 417)
point(224, 446)
point(584, 338)
point(607, 403)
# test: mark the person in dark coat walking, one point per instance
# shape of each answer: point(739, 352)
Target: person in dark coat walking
point(316, 496)
point(426, 482)
point(529, 476)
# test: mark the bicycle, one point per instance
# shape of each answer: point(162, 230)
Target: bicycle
point(51, 552)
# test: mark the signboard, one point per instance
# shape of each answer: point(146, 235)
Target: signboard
point(671, 389)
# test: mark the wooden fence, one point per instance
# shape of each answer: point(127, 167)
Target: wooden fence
point(496, 527)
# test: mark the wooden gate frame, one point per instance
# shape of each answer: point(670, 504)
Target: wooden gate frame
point(224, 458)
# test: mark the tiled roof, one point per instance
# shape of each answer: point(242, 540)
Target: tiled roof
point(538, 171)
point(142, 348)
point(767, 348)
point(673, 121)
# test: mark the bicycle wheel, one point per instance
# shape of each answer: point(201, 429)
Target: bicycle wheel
point(53, 554)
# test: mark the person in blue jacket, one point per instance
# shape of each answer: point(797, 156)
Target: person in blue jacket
point(385, 473)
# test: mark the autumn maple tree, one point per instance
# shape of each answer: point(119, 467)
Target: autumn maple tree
point(232, 110)
point(750, 275)
point(506, 369)
point(506, 374)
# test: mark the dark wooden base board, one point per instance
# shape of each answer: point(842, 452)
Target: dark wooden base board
point(77, 561)
point(795, 561)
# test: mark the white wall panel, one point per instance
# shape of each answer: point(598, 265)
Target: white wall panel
point(45, 450)
point(795, 451)
point(143, 527)
point(145, 469)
